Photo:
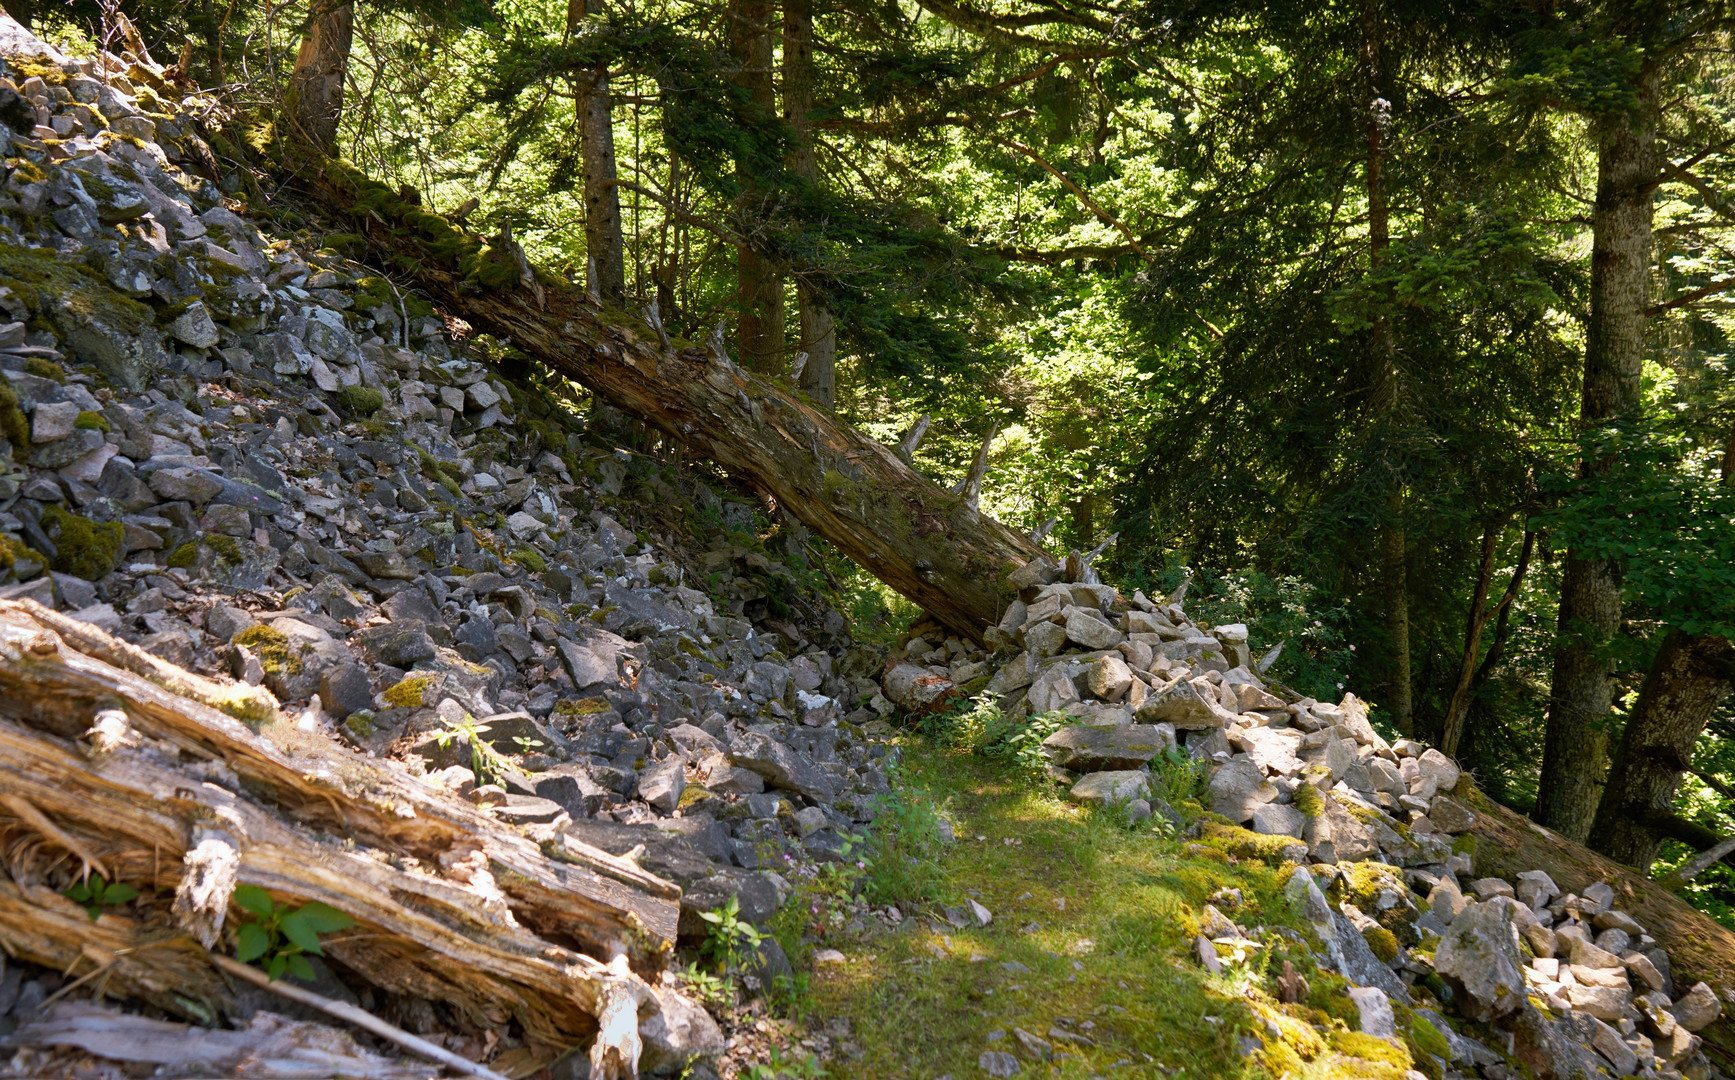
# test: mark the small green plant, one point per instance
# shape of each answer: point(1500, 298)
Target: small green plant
point(1021, 744)
point(95, 894)
point(283, 936)
point(485, 761)
point(1176, 775)
point(904, 848)
point(525, 743)
point(731, 937)
point(807, 1068)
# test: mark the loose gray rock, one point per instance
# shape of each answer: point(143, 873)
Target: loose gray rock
point(1479, 956)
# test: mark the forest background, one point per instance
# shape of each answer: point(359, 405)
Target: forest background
point(1399, 329)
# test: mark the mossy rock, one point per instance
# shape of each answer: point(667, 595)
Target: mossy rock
point(412, 692)
point(1383, 942)
point(91, 421)
point(24, 561)
point(530, 559)
point(13, 423)
point(361, 400)
point(1309, 801)
point(1369, 1050)
point(44, 368)
point(275, 654)
point(1246, 843)
point(84, 548)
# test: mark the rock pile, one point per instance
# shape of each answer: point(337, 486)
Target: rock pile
point(256, 459)
point(1565, 985)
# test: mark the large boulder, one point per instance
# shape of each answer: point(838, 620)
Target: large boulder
point(1096, 749)
point(1479, 956)
point(917, 690)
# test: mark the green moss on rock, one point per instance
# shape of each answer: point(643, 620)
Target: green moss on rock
point(13, 423)
point(84, 548)
point(44, 368)
point(182, 557)
point(91, 421)
point(360, 400)
point(273, 649)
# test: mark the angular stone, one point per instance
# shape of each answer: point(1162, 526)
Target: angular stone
point(572, 786)
point(1181, 705)
point(399, 644)
point(179, 483)
point(81, 443)
point(1603, 1002)
point(1109, 678)
point(384, 565)
point(1279, 819)
point(344, 689)
point(914, 689)
point(1237, 789)
point(1052, 689)
point(194, 327)
point(1337, 836)
point(1451, 816)
point(1044, 639)
point(1697, 1008)
point(780, 766)
point(998, 1063)
point(1090, 631)
point(1110, 788)
point(52, 421)
point(1375, 1008)
point(1479, 956)
point(1536, 888)
point(1094, 749)
point(1439, 768)
point(585, 666)
point(661, 784)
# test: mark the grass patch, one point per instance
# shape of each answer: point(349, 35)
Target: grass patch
point(1092, 924)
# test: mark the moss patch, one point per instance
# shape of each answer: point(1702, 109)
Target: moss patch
point(530, 559)
point(360, 400)
point(44, 368)
point(1246, 843)
point(13, 423)
point(1383, 942)
point(409, 692)
point(1307, 800)
point(91, 421)
point(273, 649)
point(182, 557)
point(85, 548)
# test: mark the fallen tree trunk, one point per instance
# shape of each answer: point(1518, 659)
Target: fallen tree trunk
point(524, 931)
point(927, 543)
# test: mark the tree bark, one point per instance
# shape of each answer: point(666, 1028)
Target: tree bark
point(1689, 679)
point(1574, 741)
point(605, 270)
point(501, 924)
point(901, 527)
point(818, 329)
point(314, 102)
point(759, 287)
point(1387, 393)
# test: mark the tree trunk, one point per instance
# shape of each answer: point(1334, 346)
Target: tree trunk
point(1471, 677)
point(499, 923)
point(818, 331)
point(314, 104)
point(1590, 590)
point(1387, 393)
point(1688, 680)
point(605, 269)
point(759, 287)
point(901, 527)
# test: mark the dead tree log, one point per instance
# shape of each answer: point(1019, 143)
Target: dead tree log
point(920, 539)
point(526, 929)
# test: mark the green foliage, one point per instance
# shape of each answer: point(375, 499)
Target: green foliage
point(731, 939)
point(94, 894)
point(794, 1067)
point(280, 936)
point(1177, 776)
point(905, 845)
point(1653, 505)
point(485, 762)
